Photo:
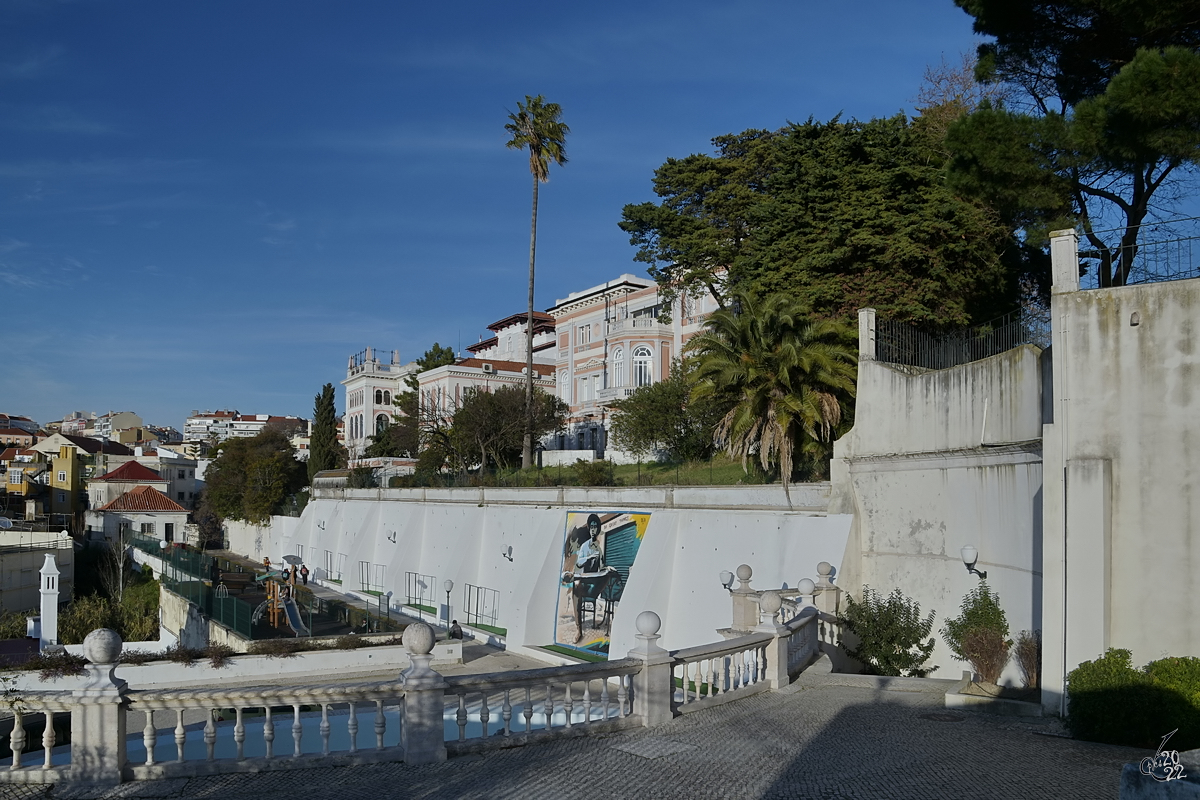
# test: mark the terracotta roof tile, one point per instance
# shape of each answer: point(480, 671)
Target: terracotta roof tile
point(133, 472)
point(143, 498)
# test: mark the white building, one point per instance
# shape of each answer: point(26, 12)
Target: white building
point(371, 387)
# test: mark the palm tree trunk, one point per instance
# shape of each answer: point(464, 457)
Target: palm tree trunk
point(527, 443)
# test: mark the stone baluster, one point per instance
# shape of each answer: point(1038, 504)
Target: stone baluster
point(98, 714)
point(16, 742)
point(48, 738)
point(745, 609)
point(828, 600)
point(239, 733)
point(653, 687)
point(423, 734)
point(352, 727)
point(527, 711)
point(776, 668)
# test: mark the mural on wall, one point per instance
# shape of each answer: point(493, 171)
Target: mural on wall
point(598, 551)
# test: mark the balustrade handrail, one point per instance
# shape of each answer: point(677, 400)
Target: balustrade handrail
point(806, 615)
point(497, 681)
point(725, 648)
point(264, 695)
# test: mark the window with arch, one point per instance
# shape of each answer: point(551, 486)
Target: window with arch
point(617, 377)
point(387, 398)
point(381, 422)
point(643, 366)
point(378, 397)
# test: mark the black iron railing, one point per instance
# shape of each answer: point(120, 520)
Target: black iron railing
point(900, 343)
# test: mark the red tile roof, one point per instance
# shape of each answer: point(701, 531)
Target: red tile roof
point(131, 472)
point(143, 498)
point(505, 366)
point(541, 320)
point(14, 432)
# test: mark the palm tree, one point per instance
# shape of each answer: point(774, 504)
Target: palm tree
point(783, 376)
point(538, 126)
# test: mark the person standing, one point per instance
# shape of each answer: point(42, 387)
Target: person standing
point(304, 574)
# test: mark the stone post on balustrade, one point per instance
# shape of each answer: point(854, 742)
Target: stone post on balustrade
point(828, 598)
point(777, 648)
point(98, 714)
point(653, 687)
point(423, 733)
point(745, 601)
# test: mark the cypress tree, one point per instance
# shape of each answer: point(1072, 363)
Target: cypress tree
point(322, 448)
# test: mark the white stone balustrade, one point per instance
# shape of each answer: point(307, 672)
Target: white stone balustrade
point(420, 718)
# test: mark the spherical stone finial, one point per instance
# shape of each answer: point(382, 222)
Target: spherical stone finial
point(418, 639)
point(744, 573)
point(824, 569)
point(102, 646)
point(806, 586)
point(648, 623)
point(770, 602)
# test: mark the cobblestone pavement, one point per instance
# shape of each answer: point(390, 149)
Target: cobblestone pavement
point(815, 741)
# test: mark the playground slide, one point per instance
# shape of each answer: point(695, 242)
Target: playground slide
point(293, 617)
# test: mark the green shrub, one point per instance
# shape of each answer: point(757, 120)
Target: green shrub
point(980, 611)
point(219, 654)
point(988, 653)
point(138, 657)
point(12, 623)
point(1110, 701)
point(179, 654)
point(593, 473)
point(890, 632)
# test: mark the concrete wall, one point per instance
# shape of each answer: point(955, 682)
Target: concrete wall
point(938, 460)
point(20, 565)
point(1122, 466)
point(693, 535)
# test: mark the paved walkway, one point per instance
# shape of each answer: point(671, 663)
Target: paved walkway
point(817, 739)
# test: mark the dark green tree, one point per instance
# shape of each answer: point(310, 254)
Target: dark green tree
point(491, 425)
point(434, 357)
point(1104, 122)
point(251, 479)
point(323, 447)
point(537, 127)
point(663, 416)
point(840, 215)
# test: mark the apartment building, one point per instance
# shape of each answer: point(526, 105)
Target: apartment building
point(610, 342)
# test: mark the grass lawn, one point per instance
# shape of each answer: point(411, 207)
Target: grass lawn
point(720, 471)
point(571, 652)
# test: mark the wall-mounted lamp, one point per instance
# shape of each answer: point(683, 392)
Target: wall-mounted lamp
point(506, 552)
point(727, 579)
point(969, 556)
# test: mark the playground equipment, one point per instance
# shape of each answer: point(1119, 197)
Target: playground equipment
point(280, 605)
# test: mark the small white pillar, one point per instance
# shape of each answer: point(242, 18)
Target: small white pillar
point(653, 687)
point(1064, 261)
point(866, 334)
point(49, 591)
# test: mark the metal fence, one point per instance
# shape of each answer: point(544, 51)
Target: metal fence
point(899, 343)
point(482, 604)
point(1161, 251)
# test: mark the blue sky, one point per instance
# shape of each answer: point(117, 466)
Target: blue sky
point(212, 205)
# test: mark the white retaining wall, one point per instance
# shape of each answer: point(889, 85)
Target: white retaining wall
point(938, 460)
point(693, 535)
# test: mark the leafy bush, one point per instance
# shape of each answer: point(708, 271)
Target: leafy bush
point(179, 654)
point(218, 654)
point(12, 623)
point(890, 632)
point(138, 657)
point(980, 611)
point(277, 648)
point(593, 473)
point(1112, 702)
point(56, 664)
point(1028, 652)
